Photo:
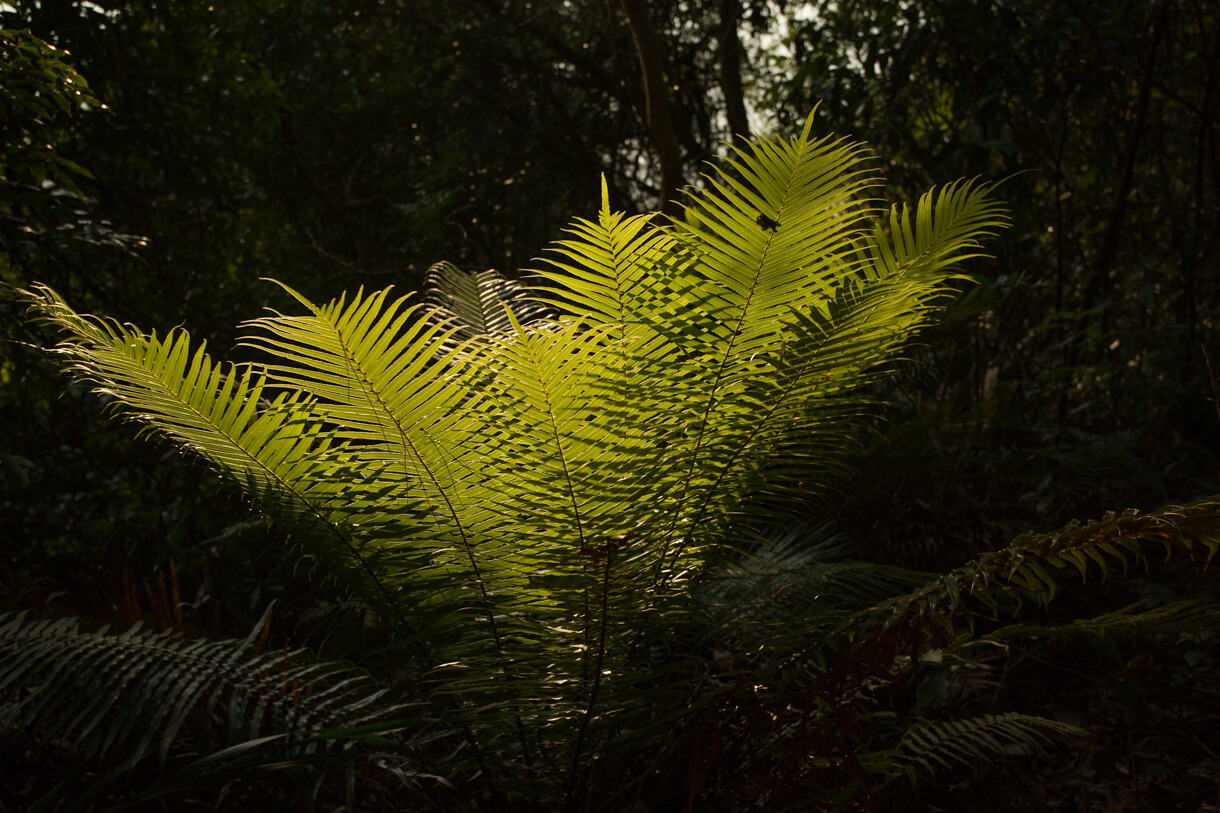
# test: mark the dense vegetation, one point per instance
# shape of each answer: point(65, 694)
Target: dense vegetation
point(169, 155)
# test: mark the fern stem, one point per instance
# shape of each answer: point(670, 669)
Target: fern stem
point(578, 748)
point(660, 577)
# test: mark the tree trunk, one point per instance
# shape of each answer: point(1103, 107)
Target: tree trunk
point(656, 99)
point(730, 70)
point(1099, 285)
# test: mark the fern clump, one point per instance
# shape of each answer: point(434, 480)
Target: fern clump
point(527, 482)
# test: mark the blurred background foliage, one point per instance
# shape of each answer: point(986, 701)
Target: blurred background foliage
point(163, 157)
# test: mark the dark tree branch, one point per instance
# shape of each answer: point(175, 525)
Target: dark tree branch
point(656, 99)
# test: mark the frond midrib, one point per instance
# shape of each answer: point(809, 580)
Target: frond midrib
point(711, 399)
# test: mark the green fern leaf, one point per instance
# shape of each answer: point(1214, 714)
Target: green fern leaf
point(478, 302)
point(114, 695)
point(927, 749)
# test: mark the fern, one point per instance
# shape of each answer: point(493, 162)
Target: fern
point(479, 301)
point(1133, 620)
point(131, 693)
point(797, 588)
point(1003, 580)
point(927, 749)
point(527, 491)
point(550, 492)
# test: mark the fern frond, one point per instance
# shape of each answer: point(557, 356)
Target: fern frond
point(1132, 620)
point(615, 271)
point(276, 450)
point(120, 696)
point(929, 748)
point(477, 302)
point(798, 586)
point(945, 229)
point(800, 321)
point(377, 749)
point(1193, 530)
point(1024, 570)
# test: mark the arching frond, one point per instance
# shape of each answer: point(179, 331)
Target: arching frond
point(929, 748)
point(120, 697)
point(945, 229)
point(1133, 620)
point(276, 450)
point(1002, 580)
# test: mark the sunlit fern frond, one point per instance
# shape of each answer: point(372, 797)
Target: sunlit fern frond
point(931, 748)
point(272, 445)
point(617, 270)
point(410, 406)
point(943, 230)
